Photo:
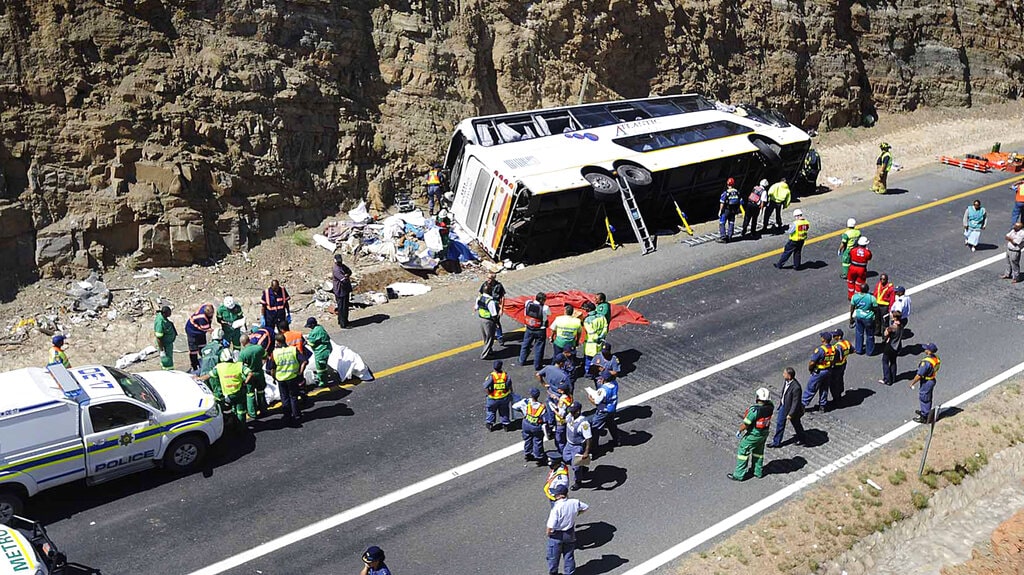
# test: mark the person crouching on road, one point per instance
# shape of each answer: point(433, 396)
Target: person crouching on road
point(607, 401)
point(253, 357)
point(535, 418)
point(498, 386)
point(753, 435)
point(287, 368)
point(557, 477)
point(820, 368)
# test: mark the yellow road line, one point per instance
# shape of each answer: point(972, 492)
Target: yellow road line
point(707, 273)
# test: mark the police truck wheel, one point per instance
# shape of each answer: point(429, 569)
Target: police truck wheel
point(635, 175)
point(605, 187)
point(11, 504)
point(185, 453)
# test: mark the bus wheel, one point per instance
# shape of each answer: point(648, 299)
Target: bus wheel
point(635, 175)
point(605, 186)
point(770, 156)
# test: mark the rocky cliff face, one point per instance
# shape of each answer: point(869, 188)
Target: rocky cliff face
point(178, 130)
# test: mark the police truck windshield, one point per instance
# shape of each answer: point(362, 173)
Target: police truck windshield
point(137, 388)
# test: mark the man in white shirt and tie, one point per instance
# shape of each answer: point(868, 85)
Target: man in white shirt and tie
point(902, 305)
point(561, 530)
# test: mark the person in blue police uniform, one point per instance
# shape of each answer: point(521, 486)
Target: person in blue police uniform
point(559, 402)
point(820, 367)
point(843, 348)
point(577, 442)
point(561, 531)
point(927, 370)
point(605, 362)
point(558, 476)
point(536, 416)
point(196, 328)
point(373, 562)
point(728, 207)
point(274, 305)
point(498, 386)
point(607, 401)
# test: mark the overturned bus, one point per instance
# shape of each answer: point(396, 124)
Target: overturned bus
point(530, 186)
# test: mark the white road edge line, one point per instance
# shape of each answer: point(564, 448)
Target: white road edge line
point(451, 474)
point(739, 517)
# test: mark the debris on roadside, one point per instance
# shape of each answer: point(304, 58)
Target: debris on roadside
point(90, 295)
point(130, 358)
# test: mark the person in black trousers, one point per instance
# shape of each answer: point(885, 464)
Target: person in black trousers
point(791, 409)
point(342, 289)
point(891, 343)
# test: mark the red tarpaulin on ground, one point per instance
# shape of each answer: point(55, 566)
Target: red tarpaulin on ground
point(621, 315)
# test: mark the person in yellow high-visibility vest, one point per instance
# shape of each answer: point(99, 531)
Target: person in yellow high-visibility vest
point(565, 331)
point(57, 354)
point(287, 369)
point(498, 386)
point(882, 166)
point(227, 381)
point(798, 231)
point(434, 180)
point(596, 327)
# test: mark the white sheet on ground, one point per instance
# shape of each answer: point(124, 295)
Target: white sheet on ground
point(346, 362)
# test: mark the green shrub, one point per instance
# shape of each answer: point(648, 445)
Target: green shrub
point(302, 238)
point(919, 500)
point(897, 477)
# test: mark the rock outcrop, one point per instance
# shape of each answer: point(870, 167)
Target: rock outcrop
point(174, 131)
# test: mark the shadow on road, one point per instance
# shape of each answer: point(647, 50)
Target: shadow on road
point(605, 564)
point(370, 319)
point(633, 413)
point(916, 349)
point(784, 466)
point(594, 535)
point(854, 397)
point(814, 265)
point(633, 438)
point(606, 477)
point(986, 247)
point(815, 437)
point(628, 358)
point(894, 191)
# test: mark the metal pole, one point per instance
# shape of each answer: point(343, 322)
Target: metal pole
point(583, 87)
point(934, 415)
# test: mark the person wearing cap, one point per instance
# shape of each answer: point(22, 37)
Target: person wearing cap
point(252, 357)
point(605, 362)
point(559, 402)
point(275, 305)
point(320, 343)
point(882, 166)
point(569, 365)
point(166, 333)
point(729, 204)
point(228, 313)
point(843, 348)
point(885, 295)
point(561, 531)
point(862, 318)
point(791, 409)
point(498, 386)
point(926, 372)
point(536, 321)
point(857, 262)
point(596, 327)
point(287, 368)
point(578, 435)
point(753, 434)
point(535, 418)
point(606, 398)
point(892, 343)
point(341, 287)
point(373, 562)
point(798, 231)
point(554, 377)
point(975, 219)
point(779, 197)
point(228, 381)
point(558, 476)
point(820, 366)
point(755, 201)
point(196, 328)
point(57, 354)
point(846, 243)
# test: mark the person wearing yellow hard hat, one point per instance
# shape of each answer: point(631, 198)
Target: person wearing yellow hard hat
point(882, 166)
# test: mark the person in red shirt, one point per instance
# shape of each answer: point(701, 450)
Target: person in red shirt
point(885, 294)
point(860, 255)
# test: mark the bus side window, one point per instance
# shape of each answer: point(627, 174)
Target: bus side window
point(485, 133)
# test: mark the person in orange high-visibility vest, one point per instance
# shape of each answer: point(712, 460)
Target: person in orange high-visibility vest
point(926, 372)
point(1018, 203)
point(536, 417)
point(498, 386)
point(275, 306)
point(884, 294)
point(820, 367)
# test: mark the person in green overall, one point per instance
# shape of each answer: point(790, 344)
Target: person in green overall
point(227, 314)
point(209, 357)
point(321, 344)
point(165, 333)
point(753, 434)
point(228, 380)
point(252, 357)
point(846, 243)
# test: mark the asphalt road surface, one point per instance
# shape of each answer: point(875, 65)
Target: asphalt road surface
point(663, 485)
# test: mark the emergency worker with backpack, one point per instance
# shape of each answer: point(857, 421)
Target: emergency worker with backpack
point(730, 205)
point(536, 331)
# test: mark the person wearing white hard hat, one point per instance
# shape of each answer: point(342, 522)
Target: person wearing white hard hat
point(859, 257)
point(753, 435)
point(228, 313)
point(755, 201)
point(795, 244)
point(846, 243)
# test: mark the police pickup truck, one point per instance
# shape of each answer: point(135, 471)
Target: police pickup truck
point(97, 423)
point(26, 549)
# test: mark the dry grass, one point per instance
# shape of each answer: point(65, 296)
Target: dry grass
point(801, 535)
point(918, 138)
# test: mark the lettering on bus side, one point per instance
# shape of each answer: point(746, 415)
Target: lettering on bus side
point(12, 551)
point(122, 461)
point(95, 378)
point(627, 128)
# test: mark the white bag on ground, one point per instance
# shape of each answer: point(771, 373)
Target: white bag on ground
point(273, 392)
point(346, 362)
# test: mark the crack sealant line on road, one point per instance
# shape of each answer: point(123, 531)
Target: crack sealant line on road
point(481, 462)
point(768, 502)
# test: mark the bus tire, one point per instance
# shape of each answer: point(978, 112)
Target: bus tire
point(605, 187)
point(771, 157)
point(635, 175)
point(12, 502)
point(185, 453)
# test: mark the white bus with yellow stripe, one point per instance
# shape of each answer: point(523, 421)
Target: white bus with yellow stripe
point(97, 423)
point(532, 185)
